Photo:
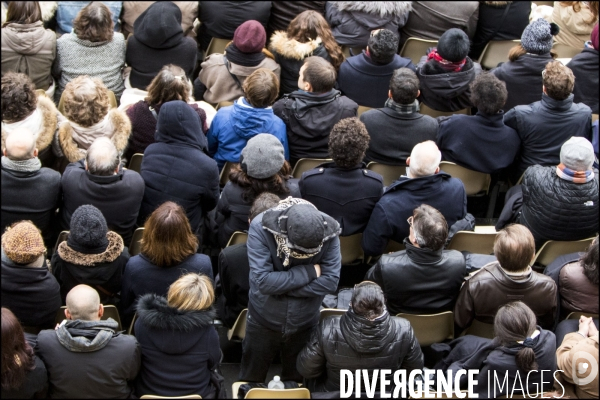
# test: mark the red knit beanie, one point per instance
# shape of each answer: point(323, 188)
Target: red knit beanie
point(250, 37)
point(594, 37)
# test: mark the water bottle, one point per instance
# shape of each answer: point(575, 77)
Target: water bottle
point(276, 383)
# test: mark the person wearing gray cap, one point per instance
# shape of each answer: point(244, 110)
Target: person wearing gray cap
point(558, 202)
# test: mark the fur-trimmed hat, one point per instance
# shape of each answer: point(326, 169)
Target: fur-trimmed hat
point(88, 230)
point(453, 45)
point(263, 156)
point(22, 243)
point(537, 37)
point(250, 37)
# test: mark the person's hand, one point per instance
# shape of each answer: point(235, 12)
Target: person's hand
point(318, 270)
point(584, 326)
point(593, 331)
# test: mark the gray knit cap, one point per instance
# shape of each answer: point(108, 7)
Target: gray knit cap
point(88, 230)
point(263, 156)
point(577, 154)
point(537, 36)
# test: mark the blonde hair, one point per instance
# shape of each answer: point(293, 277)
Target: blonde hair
point(191, 292)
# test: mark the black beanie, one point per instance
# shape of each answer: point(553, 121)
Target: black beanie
point(453, 45)
point(88, 230)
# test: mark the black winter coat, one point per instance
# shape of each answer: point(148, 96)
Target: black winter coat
point(309, 118)
point(585, 68)
point(179, 348)
point(556, 209)
point(419, 280)
point(234, 271)
point(353, 342)
point(346, 194)
point(283, 12)
point(176, 167)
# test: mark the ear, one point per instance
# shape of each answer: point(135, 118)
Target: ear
point(389, 94)
point(68, 314)
point(418, 93)
point(35, 152)
point(85, 165)
point(100, 311)
point(4, 152)
point(308, 87)
point(437, 170)
point(408, 161)
point(544, 90)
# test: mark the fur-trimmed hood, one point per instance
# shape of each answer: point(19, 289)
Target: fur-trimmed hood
point(290, 48)
point(49, 122)
point(382, 8)
point(119, 136)
point(112, 252)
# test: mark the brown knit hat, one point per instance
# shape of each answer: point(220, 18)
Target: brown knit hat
point(22, 243)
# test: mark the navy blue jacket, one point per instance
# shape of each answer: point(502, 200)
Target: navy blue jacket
point(585, 68)
point(388, 220)
point(480, 142)
point(176, 168)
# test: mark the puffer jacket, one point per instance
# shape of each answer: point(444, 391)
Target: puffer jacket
point(30, 49)
point(176, 168)
point(352, 21)
point(585, 68)
point(353, 342)
point(309, 118)
point(556, 209)
point(233, 126)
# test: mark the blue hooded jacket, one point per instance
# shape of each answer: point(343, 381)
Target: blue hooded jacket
point(233, 126)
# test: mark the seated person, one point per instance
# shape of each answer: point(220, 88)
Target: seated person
point(344, 189)
point(585, 69)
point(365, 77)
point(87, 357)
point(250, 115)
point(234, 268)
point(310, 112)
point(496, 283)
point(424, 184)
point(397, 127)
point(446, 72)
point(424, 278)
point(366, 336)
point(480, 142)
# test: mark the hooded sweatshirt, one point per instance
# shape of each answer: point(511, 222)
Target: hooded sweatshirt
point(233, 126)
point(157, 40)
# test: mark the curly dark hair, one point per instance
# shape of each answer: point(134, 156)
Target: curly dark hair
point(19, 99)
point(94, 23)
point(348, 142)
point(404, 86)
point(488, 93)
point(253, 187)
point(383, 46)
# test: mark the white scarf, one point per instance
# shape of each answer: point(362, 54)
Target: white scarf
point(85, 136)
point(33, 124)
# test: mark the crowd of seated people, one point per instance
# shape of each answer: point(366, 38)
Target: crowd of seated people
point(87, 87)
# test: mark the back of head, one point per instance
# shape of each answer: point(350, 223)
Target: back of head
point(537, 37)
point(23, 12)
point(191, 292)
point(168, 238)
point(261, 88)
point(368, 300)
point(558, 80)
point(589, 262)
point(515, 322)
point(17, 354)
point(83, 303)
point(262, 203)
point(383, 46)
point(88, 230)
point(19, 99)
point(425, 158)
point(86, 101)
point(430, 227)
point(22, 243)
point(94, 23)
point(514, 247)
point(20, 144)
point(404, 86)
point(319, 73)
point(250, 37)
point(577, 154)
point(348, 141)
point(453, 45)
point(262, 157)
point(102, 158)
point(488, 93)
point(168, 85)
point(159, 26)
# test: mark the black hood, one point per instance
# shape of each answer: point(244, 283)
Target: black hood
point(159, 27)
point(367, 337)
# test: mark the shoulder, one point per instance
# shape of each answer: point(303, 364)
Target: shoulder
point(312, 173)
point(50, 176)
point(133, 177)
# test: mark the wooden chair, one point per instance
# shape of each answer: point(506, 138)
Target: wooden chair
point(155, 396)
point(362, 109)
point(426, 110)
point(110, 311)
point(432, 328)
point(554, 248)
point(305, 164)
point(594, 118)
point(135, 247)
point(238, 332)
point(237, 238)
point(111, 99)
point(578, 314)
point(329, 312)
point(476, 183)
point(222, 104)
point(350, 248)
point(564, 51)
point(390, 173)
point(224, 175)
point(61, 238)
point(496, 52)
point(216, 45)
point(415, 48)
point(351, 51)
point(475, 242)
point(135, 164)
point(131, 330)
point(259, 393)
point(480, 329)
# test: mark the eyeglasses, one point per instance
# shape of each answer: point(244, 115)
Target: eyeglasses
point(410, 221)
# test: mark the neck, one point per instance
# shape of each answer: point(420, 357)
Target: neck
point(30, 165)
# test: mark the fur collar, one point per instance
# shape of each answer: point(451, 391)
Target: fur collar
point(112, 252)
point(290, 48)
point(120, 136)
point(383, 8)
point(153, 311)
point(49, 120)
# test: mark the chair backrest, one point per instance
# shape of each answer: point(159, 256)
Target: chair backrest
point(110, 311)
point(224, 175)
point(475, 182)
point(328, 312)
point(554, 248)
point(305, 164)
point(475, 242)
point(135, 164)
point(131, 330)
point(495, 52)
point(41, 92)
point(155, 396)
point(579, 314)
point(259, 393)
point(238, 331)
point(426, 110)
point(237, 237)
point(222, 104)
point(111, 99)
point(564, 51)
point(61, 238)
point(350, 248)
point(135, 247)
point(362, 109)
point(415, 48)
point(390, 173)
point(480, 329)
point(594, 118)
point(216, 45)
point(433, 328)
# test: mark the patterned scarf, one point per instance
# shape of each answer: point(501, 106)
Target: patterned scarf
point(31, 165)
point(403, 108)
point(445, 64)
point(573, 176)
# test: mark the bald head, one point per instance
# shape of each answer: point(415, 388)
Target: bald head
point(20, 145)
point(424, 159)
point(102, 157)
point(83, 303)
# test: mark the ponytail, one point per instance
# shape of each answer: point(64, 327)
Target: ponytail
point(526, 360)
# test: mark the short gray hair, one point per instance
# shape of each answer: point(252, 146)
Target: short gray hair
point(102, 157)
point(424, 159)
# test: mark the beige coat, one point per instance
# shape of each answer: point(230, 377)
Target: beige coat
point(133, 9)
point(575, 27)
point(571, 345)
